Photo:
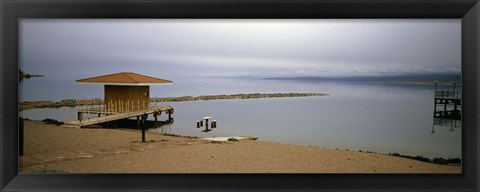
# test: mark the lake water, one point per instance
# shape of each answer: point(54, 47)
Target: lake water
point(387, 118)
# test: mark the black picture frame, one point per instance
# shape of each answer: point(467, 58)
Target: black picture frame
point(12, 10)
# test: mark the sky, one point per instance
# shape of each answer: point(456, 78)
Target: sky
point(81, 48)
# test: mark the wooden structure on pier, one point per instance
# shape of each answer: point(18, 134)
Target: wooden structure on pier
point(126, 95)
point(126, 90)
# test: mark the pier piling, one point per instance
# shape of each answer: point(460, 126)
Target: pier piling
point(144, 117)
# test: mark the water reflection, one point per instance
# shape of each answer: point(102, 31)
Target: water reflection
point(163, 127)
point(451, 124)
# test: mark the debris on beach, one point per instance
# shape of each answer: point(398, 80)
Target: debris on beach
point(233, 138)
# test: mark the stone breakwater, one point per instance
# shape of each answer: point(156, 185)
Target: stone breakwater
point(236, 96)
point(72, 102)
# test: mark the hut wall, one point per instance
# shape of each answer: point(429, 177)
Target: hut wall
point(127, 98)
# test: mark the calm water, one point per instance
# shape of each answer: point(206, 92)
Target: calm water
point(356, 116)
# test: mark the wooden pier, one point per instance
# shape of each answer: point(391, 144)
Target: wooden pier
point(448, 104)
point(447, 108)
point(92, 115)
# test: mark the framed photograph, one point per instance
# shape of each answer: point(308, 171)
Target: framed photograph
point(249, 95)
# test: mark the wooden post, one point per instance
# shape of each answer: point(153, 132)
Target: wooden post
point(155, 116)
point(76, 109)
point(104, 110)
point(169, 114)
point(138, 105)
point(445, 107)
point(79, 117)
point(143, 104)
point(84, 107)
point(89, 109)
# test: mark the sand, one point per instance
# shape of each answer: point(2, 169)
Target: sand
point(98, 150)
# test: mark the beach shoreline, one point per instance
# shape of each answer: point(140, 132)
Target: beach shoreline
point(105, 150)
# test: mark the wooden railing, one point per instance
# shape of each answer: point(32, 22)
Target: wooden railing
point(448, 94)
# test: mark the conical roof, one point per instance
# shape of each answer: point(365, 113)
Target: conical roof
point(124, 78)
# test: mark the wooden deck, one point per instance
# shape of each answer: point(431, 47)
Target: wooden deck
point(111, 116)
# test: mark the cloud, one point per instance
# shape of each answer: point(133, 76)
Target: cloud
point(243, 48)
point(235, 66)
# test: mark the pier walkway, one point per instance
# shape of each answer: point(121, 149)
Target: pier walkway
point(103, 116)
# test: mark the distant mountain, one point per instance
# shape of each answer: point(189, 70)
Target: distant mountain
point(392, 78)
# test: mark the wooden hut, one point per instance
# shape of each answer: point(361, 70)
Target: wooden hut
point(125, 91)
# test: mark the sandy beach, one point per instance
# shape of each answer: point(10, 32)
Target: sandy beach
point(100, 150)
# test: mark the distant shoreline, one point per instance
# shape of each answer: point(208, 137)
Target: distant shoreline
point(423, 82)
point(72, 102)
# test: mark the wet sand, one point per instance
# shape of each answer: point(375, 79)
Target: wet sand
point(99, 150)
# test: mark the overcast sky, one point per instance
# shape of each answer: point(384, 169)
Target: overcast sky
point(240, 48)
